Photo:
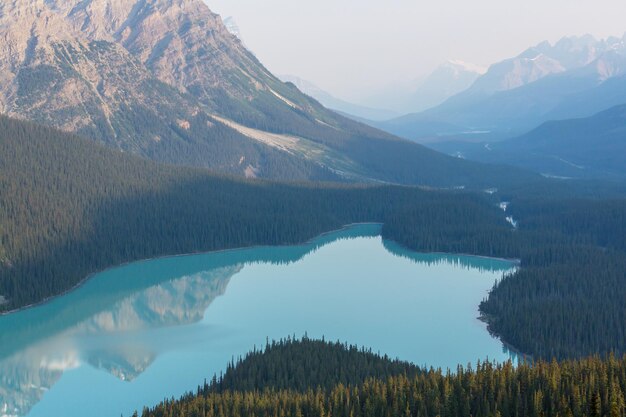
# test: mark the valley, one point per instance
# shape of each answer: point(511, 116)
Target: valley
point(79, 207)
point(591, 147)
point(172, 212)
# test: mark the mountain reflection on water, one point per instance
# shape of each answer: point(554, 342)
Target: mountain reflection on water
point(467, 262)
point(122, 339)
point(123, 319)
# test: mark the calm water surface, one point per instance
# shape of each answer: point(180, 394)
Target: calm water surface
point(136, 334)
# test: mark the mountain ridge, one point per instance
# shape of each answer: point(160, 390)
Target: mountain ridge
point(447, 80)
point(353, 110)
point(518, 94)
point(166, 80)
point(590, 147)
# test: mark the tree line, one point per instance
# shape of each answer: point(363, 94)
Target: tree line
point(567, 298)
point(287, 386)
point(71, 207)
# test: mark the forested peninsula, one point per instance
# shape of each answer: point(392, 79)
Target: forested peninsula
point(316, 378)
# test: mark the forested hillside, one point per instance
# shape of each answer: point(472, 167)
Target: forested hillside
point(592, 147)
point(584, 388)
point(70, 207)
point(567, 299)
point(307, 363)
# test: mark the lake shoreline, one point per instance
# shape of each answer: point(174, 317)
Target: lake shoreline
point(170, 256)
point(166, 324)
point(515, 261)
point(525, 357)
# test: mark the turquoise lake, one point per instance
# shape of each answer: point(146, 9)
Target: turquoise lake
point(134, 335)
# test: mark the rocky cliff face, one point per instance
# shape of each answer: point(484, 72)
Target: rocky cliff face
point(180, 41)
point(52, 74)
point(184, 44)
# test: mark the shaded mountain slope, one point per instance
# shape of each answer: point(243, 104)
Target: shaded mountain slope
point(592, 147)
point(70, 207)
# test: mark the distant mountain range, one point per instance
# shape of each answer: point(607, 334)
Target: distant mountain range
point(592, 147)
point(447, 80)
point(165, 79)
point(576, 77)
point(344, 107)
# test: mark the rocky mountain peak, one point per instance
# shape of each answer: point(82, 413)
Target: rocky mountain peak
point(115, 19)
point(233, 27)
point(29, 32)
point(22, 19)
point(182, 42)
point(572, 53)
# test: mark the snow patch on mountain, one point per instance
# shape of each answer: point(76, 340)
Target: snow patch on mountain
point(465, 66)
point(233, 27)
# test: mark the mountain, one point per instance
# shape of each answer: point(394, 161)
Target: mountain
point(53, 74)
point(233, 27)
point(448, 79)
point(592, 147)
point(576, 77)
point(166, 80)
point(344, 107)
point(540, 61)
point(426, 91)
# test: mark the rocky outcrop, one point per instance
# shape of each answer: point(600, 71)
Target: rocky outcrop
point(185, 45)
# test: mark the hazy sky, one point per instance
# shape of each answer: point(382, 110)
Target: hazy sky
point(355, 48)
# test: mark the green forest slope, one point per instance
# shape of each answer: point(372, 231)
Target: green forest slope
point(282, 381)
point(71, 207)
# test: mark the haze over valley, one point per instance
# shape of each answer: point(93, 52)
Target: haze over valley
point(312, 209)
